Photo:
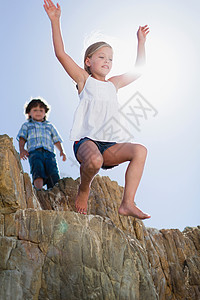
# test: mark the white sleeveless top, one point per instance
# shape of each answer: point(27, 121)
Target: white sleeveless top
point(97, 115)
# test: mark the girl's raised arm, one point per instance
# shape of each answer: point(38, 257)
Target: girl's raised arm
point(78, 74)
point(126, 78)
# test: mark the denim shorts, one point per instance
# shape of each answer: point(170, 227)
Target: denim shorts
point(102, 146)
point(43, 165)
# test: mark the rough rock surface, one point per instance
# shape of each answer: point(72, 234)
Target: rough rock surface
point(48, 251)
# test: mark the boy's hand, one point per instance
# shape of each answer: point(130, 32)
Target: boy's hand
point(63, 155)
point(52, 11)
point(142, 33)
point(24, 154)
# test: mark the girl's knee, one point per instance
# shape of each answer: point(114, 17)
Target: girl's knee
point(141, 151)
point(94, 162)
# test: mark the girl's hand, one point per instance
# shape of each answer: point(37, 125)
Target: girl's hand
point(52, 11)
point(142, 33)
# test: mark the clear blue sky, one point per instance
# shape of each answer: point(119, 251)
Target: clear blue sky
point(170, 187)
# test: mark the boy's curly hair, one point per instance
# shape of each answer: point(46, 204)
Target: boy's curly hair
point(35, 103)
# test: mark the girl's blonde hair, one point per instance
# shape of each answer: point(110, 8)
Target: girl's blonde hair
point(91, 50)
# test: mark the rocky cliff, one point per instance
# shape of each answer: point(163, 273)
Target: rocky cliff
point(48, 251)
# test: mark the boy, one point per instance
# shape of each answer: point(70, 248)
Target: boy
point(41, 136)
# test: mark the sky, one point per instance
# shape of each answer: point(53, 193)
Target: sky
point(168, 91)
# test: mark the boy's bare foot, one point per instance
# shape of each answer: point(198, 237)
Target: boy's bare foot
point(81, 201)
point(38, 183)
point(132, 210)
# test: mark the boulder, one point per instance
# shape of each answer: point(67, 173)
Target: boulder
point(48, 251)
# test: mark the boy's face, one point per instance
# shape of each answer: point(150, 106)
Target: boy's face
point(37, 113)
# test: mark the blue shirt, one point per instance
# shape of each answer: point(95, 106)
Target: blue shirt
point(39, 134)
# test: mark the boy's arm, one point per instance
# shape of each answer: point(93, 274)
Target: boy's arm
point(60, 148)
point(78, 74)
point(125, 79)
point(23, 153)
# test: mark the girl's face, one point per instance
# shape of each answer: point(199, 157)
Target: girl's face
point(100, 62)
point(37, 113)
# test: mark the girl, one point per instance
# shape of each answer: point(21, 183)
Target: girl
point(99, 105)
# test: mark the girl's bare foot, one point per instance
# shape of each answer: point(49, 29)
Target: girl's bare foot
point(132, 210)
point(81, 201)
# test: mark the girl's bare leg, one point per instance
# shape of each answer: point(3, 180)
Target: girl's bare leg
point(136, 154)
point(91, 161)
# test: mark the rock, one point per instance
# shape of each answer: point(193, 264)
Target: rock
point(104, 200)
point(12, 194)
point(169, 252)
point(64, 255)
point(15, 186)
point(48, 251)
point(30, 194)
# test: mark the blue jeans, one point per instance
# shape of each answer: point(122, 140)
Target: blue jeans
point(43, 165)
point(102, 146)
